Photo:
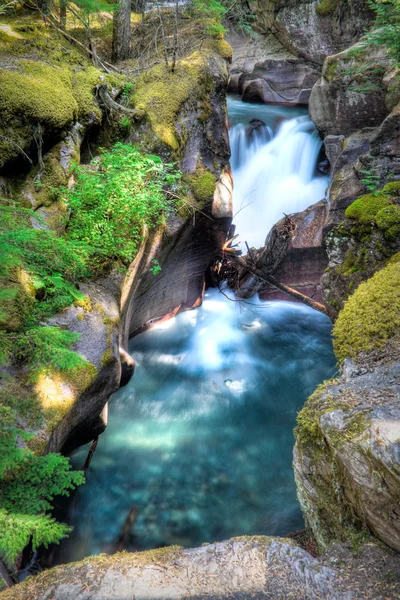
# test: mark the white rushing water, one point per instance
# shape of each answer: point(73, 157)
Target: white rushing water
point(274, 173)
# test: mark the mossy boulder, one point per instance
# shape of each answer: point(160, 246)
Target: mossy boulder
point(345, 462)
point(371, 316)
point(361, 244)
point(189, 82)
point(38, 92)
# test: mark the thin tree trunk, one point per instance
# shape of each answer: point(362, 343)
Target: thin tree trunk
point(280, 286)
point(164, 37)
point(4, 574)
point(121, 43)
point(63, 14)
point(44, 6)
point(175, 48)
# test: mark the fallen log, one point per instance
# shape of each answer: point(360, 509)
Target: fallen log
point(280, 286)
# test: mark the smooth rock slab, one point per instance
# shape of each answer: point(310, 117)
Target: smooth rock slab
point(241, 568)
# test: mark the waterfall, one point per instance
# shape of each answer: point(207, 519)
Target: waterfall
point(273, 174)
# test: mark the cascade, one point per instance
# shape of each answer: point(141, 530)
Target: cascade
point(274, 170)
point(199, 443)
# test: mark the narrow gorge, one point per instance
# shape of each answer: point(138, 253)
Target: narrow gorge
point(200, 300)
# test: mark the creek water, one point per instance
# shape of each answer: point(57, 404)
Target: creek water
point(200, 441)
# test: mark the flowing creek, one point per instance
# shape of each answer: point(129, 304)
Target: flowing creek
point(200, 441)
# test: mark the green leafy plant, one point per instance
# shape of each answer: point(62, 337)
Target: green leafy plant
point(371, 179)
point(28, 484)
point(116, 198)
point(155, 267)
point(386, 30)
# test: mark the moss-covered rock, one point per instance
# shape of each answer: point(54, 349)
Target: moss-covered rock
point(366, 208)
point(371, 316)
point(188, 82)
point(345, 455)
point(39, 92)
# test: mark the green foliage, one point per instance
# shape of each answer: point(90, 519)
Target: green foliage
point(28, 484)
point(213, 10)
point(371, 179)
point(386, 31)
point(119, 194)
point(53, 264)
point(155, 267)
point(371, 316)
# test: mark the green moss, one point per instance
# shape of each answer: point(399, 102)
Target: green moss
point(308, 431)
point(326, 7)
point(107, 358)
point(371, 316)
point(83, 86)
point(162, 93)
point(393, 188)
point(202, 184)
point(221, 47)
point(388, 220)
point(82, 378)
point(38, 92)
point(365, 208)
point(330, 68)
point(349, 265)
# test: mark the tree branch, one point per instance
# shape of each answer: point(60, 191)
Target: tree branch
point(280, 286)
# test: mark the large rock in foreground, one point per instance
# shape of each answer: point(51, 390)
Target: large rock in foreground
point(347, 454)
point(242, 568)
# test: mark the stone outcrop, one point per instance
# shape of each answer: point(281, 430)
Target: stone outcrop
point(241, 568)
point(313, 29)
point(278, 82)
point(351, 93)
point(191, 131)
point(346, 458)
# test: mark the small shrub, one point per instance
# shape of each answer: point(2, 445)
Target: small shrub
point(115, 197)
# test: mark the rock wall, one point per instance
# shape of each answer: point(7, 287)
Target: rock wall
point(313, 29)
point(346, 458)
point(46, 130)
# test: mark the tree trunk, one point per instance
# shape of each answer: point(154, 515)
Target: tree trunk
point(4, 574)
point(44, 6)
point(63, 13)
point(121, 31)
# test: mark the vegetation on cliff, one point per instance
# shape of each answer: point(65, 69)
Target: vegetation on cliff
point(62, 223)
